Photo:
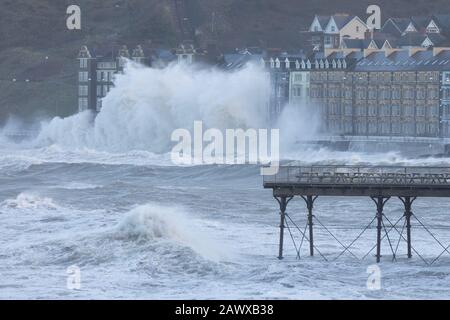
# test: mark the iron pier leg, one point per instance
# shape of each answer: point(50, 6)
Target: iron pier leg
point(380, 201)
point(310, 204)
point(283, 204)
point(407, 201)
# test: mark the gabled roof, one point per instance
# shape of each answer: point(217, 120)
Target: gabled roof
point(438, 39)
point(412, 40)
point(421, 22)
point(342, 20)
point(401, 23)
point(391, 27)
point(417, 39)
point(323, 20)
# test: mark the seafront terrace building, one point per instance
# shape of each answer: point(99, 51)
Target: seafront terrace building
point(371, 93)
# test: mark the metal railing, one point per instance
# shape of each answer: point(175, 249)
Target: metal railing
point(360, 175)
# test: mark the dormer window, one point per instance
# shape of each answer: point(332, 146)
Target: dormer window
point(277, 63)
point(333, 28)
point(272, 63)
point(297, 64)
point(287, 63)
point(432, 28)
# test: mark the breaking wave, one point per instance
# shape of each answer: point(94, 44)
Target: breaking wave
point(147, 105)
point(153, 222)
point(29, 201)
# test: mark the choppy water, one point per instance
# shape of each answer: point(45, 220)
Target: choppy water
point(138, 227)
point(102, 195)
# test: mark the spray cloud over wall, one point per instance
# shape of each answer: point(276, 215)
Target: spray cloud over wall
point(147, 104)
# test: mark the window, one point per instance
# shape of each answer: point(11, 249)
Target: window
point(433, 111)
point(408, 111)
point(396, 128)
point(83, 63)
point(82, 104)
point(420, 111)
point(396, 94)
point(348, 94)
point(408, 128)
point(396, 111)
point(432, 129)
point(357, 28)
point(83, 90)
point(348, 110)
point(83, 76)
point(372, 127)
point(385, 128)
point(446, 110)
point(432, 94)
point(420, 127)
point(421, 93)
point(446, 78)
point(361, 93)
point(297, 91)
point(333, 28)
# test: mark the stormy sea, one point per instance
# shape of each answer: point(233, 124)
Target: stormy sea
point(102, 195)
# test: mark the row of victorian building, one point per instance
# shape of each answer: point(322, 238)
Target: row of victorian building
point(382, 91)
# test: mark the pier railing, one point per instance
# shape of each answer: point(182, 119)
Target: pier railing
point(360, 175)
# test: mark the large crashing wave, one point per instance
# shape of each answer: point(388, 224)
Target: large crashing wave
point(153, 222)
point(147, 104)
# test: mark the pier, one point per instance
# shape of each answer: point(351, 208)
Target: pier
point(380, 183)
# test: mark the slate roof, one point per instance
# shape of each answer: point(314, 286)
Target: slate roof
point(402, 61)
point(443, 20)
point(416, 39)
point(402, 23)
point(323, 20)
point(342, 20)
